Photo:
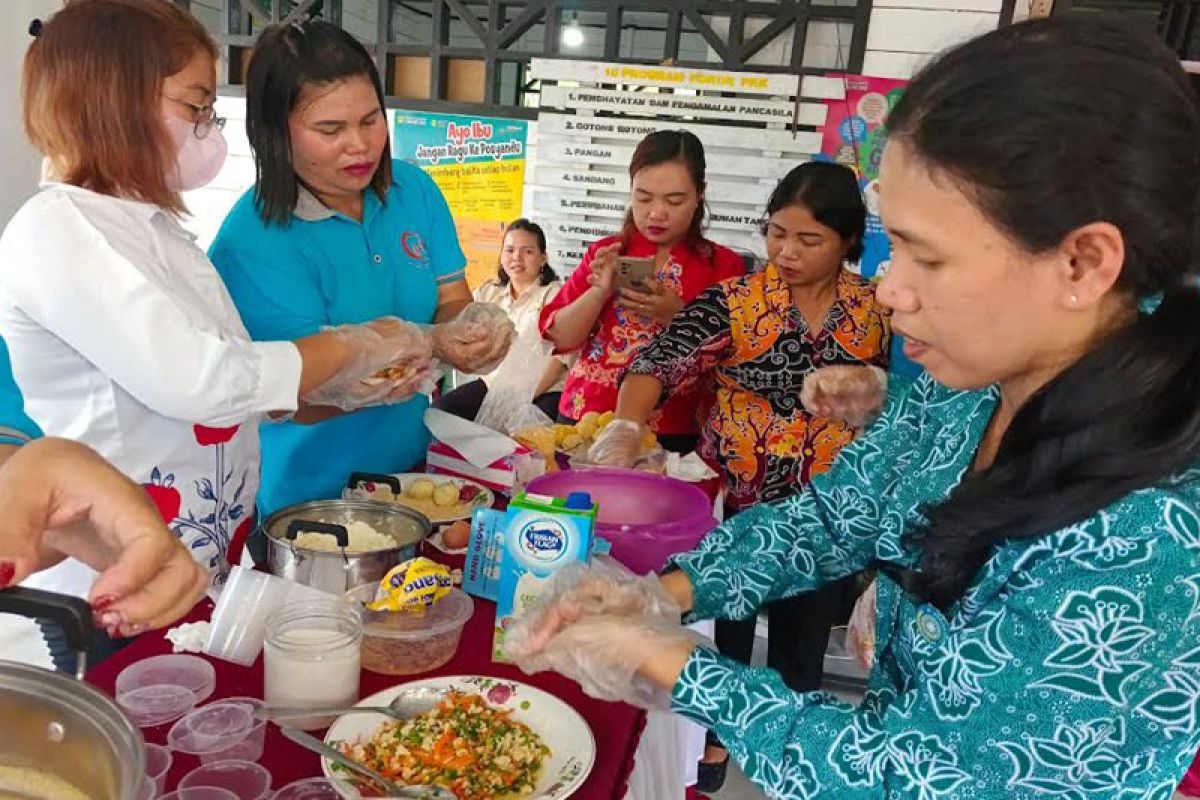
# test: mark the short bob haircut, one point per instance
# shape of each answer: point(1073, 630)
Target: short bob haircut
point(92, 94)
point(287, 58)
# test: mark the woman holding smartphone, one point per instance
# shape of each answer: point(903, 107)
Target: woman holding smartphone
point(629, 287)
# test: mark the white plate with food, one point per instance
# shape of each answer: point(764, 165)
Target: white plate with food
point(545, 746)
point(439, 498)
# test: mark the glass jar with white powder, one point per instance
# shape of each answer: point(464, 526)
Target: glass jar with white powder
point(312, 658)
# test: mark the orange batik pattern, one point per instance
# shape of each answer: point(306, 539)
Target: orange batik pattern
point(749, 336)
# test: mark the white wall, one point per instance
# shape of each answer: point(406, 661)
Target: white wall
point(903, 34)
point(20, 164)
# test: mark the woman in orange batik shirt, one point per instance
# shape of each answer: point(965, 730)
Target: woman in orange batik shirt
point(760, 336)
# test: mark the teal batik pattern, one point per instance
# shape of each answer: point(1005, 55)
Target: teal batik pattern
point(1070, 670)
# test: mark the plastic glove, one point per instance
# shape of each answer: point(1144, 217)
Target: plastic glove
point(603, 654)
point(860, 632)
point(602, 586)
point(475, 341)
point(383, 344)
point(850, 394)
point(619, 444)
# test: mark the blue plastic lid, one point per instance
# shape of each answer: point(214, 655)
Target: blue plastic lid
point(579, 501)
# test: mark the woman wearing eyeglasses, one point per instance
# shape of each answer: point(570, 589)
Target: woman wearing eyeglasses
point(120, 332)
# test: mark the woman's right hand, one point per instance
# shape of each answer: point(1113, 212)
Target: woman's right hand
point(62, 499)
point(603, 269)
point(618, 445)
point(387, 361)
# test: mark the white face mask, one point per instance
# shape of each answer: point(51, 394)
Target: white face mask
point(197, 161)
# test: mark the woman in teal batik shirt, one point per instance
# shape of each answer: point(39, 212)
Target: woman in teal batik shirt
point(1032, 504)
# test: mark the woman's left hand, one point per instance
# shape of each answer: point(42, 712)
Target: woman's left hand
point(630, 659)
point(655, 301)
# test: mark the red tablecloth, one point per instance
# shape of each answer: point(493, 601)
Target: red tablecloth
point(617, 727)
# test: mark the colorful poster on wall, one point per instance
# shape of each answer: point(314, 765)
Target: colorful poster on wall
point(854, 135)
point(479, 164)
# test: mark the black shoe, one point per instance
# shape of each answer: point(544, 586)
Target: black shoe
point(710, 777)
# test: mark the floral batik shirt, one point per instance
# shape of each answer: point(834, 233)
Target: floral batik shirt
point(750, 336)
point(619, 336)
point(1069, 670)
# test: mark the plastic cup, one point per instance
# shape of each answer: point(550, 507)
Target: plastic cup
point(250, 748)
point(200, 793)
point(315, 789)
point(211, 729)
point(158, 764)
point(247, 780)
point(239, 621)
point(191, 672)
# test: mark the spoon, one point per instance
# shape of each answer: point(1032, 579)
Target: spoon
point(390, 789)
point(407, 705)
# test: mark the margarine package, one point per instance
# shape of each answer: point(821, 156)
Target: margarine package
point(481, 566)
point(541, 535)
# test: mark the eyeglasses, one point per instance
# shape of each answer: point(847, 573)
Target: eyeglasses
point(206, 117)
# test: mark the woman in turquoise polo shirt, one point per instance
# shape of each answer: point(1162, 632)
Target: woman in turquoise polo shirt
point(335, 231)
point(1031, 504)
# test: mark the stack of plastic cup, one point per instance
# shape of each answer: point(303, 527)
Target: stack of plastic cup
point(239, 621)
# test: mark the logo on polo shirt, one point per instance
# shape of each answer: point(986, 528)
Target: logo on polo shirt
point(413, 246)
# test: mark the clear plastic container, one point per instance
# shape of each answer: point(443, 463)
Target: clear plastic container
point(191, 672)
point(250, 748)
point(200, 793)
point(151, 706)
point(247, 780)
point(312, 659)
point(315, 789)
point(211, 729)
point(404, 643)
point(158, 764)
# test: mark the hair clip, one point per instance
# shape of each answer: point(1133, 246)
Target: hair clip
point(299, 22)
point(35, 28)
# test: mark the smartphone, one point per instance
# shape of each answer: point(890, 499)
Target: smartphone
point(632, 272)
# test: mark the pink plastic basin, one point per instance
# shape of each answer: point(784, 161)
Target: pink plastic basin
point(647, 517)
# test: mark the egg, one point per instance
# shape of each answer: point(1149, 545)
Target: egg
point(457, 535)
point(420, 489)
point(446, 494)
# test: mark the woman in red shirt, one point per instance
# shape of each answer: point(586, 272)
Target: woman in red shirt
point(610, 327)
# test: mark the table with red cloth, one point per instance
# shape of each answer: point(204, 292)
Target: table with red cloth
point(617, 727)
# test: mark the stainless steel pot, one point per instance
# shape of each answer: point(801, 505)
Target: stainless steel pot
point(59, 735)
point(339, 571)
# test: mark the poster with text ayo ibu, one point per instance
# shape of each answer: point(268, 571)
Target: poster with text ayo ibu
point(479, 164)
point(855, 135)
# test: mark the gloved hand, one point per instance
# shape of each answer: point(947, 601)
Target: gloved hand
point(475, 341)
point(850, 394)
point(602, 586)
point(619, 444)
point(389, 361)
point(860, 633)
point(603, 654)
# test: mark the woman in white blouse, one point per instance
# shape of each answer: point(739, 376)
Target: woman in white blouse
point(122, 335)
point(524, 283)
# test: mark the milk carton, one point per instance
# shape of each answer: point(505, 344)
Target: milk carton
point(541, 535)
